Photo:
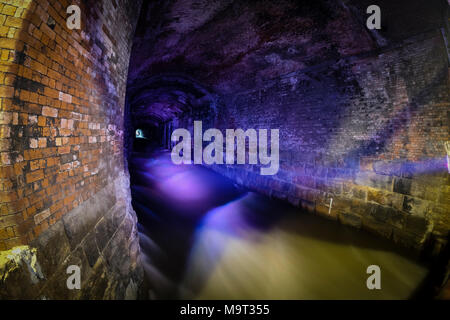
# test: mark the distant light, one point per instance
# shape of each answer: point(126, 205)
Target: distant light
point(140, 134)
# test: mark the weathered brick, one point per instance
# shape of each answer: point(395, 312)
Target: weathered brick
point(5, 91)
point(9, 10)
point(42, 121)
point(42, 143)
point(35, 176)
point(64, 150)
point(49, 112)
point(38, 218)
point(13, 22)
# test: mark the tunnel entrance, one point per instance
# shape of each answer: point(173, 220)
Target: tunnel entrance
point(148, 137)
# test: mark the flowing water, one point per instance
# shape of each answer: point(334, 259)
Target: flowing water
point(204, 238)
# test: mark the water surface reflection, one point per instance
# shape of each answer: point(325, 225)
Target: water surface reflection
point(205, 239)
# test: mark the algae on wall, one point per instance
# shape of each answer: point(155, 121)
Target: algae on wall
point(22, 257)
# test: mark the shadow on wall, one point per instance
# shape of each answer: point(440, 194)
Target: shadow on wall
point(362, 127)
point(372, 140)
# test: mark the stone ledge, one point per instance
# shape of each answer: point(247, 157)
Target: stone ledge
point(106, 245)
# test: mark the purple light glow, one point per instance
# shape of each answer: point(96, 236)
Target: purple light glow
point(188, 190)
point(229, 218)
point(185, 187)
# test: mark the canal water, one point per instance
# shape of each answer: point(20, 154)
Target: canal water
point(204, 238)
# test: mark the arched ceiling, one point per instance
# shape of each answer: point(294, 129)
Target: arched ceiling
point(229, 45)
point(160, 98)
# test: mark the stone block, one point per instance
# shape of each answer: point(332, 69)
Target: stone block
point(359, 192)
point(52, 249)
point(56, 286)
point(408, 239)
point(416, 225)
point(342, 204)
point(425, 189)
point(90, 248)
point(415, 206)
point(117, 252)
point(350, 219)
point(91, 211)
point(402, 185)
point(374, 180)
point(390, 168)
point(308, 206)
point(97, 284)
point(441, 218)
point(444, 195)
point(20, 273)
point(375, 226)
point(385, 198)
point(107, 226)
point(324, 211)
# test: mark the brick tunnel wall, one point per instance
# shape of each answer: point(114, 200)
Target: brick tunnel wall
point(64, 192)
point(367, 132)
point(363, 115)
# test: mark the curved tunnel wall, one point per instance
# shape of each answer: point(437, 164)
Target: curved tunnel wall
point(363, 115)
point(63, 186)
point(165, 102)
point(367, 132)
point(307, 68)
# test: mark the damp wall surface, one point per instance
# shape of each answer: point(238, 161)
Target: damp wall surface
point(366, 132)
point(363, 115)
point(64, 190)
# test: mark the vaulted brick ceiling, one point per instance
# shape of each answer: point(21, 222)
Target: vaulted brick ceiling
point(227, 45)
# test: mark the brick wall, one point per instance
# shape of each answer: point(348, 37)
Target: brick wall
point(363, 115)
point(61, 129)
point(367, 132)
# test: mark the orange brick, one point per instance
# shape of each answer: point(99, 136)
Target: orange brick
point(52, 162)
point(42, 143)
point(39, 67)
point(49, 32)
point(51, 93)
point(64, 150)
point(34, 165)
point(45, 183)
point(35, 176)
point(5, 91)
point(42, 121)
point(49, 112)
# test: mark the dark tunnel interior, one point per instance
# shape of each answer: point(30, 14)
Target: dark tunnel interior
point(354, 108)
point(224, 150)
